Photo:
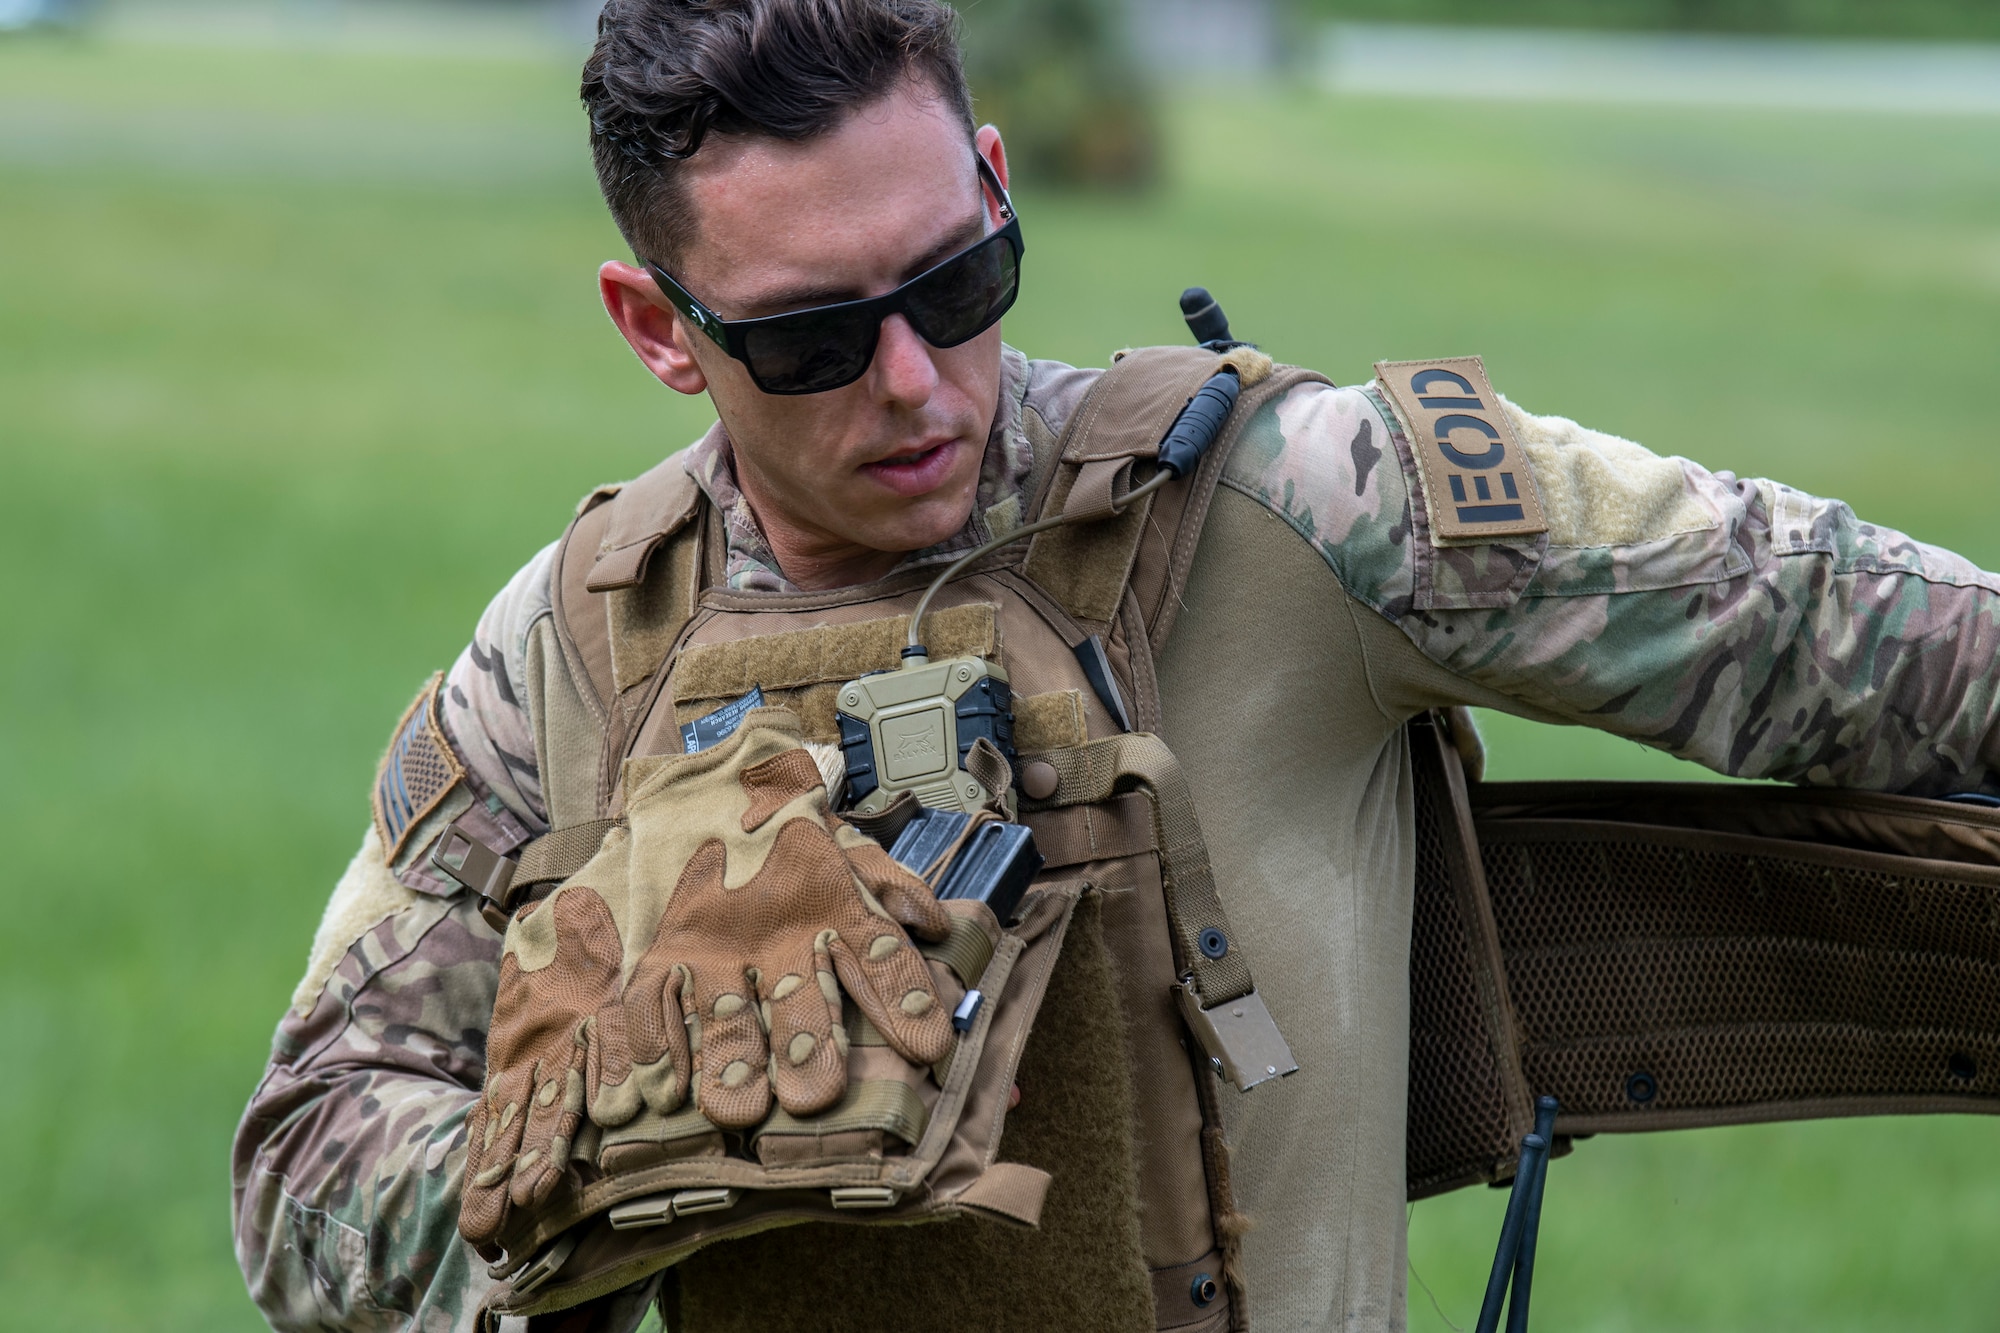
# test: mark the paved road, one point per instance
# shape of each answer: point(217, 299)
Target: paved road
point(1524, 64)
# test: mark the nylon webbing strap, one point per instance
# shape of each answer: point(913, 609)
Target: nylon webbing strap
point(558, 854)
point(1101, 769)
point(1085, 566)
point(886, 1104)
point(966, 950)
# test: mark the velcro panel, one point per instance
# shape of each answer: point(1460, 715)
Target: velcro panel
point(1082, 1268)
point(1051, 721)
point(803, 670)
point(1085, 566)
point(829, 654)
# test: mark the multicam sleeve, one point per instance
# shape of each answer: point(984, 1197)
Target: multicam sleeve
point(348, 1162)
point(485, 702)
point(1741, 624)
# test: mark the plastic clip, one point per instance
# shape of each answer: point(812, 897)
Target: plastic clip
point(461, 857)
point(544, 1265)
point(862, 1196)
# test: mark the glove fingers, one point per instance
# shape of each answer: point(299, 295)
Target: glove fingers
point(607, 1073)
point(664, 1078)
point(656, 1032)
point(735, 1062)
point(553, 1113)
point(808, 1063)
point(492, 1139)
point(892, 984)
point(906, 898)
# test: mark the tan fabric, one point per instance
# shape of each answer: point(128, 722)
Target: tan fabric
point(1302, 787)
point(1289, 730)
point(1085, 566)
point(642, 624)
point(563, 726)
point(1095, 773)
point(1010, 1190)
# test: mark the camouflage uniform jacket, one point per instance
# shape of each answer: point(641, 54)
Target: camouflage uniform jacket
point(1738, 623)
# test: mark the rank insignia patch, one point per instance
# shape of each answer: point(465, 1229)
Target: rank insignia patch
point(416, 773)
point(1475, 474)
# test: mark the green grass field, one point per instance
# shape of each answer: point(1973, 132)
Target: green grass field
point(300, 357)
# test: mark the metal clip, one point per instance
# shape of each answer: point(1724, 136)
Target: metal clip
point(1239, 1037)
point(462, 858)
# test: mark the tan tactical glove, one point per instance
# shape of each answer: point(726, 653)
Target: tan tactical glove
point(714, 925)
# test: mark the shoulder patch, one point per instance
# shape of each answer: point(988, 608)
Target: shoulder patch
point(418, 771)
point(1475, 474)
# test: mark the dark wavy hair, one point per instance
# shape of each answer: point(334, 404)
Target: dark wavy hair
point(667, 73)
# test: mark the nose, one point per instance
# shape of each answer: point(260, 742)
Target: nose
point(903, 373)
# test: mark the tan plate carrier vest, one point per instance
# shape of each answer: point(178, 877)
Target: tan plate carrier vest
point(1655, 955)
point(1113, 1167)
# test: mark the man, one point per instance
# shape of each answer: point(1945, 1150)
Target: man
point(768, 157)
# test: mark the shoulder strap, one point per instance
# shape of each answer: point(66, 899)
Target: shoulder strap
point(626, 581)
point(1117, 576)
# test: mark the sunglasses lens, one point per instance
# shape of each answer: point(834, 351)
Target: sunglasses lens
point(962, 298)
point(811, 351)
point(816, 350)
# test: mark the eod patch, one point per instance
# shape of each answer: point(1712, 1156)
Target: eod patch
point(1476, 478)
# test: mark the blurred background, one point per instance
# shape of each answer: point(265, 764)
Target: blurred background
point(300, 358)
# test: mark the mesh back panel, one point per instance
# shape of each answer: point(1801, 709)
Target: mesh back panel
point(1671, 977)
point(1666, 967)
point(1459, 1131)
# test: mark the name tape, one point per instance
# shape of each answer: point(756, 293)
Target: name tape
point(1475, 473)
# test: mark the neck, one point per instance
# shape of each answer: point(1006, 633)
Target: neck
point(815, 565)
point(812, 559)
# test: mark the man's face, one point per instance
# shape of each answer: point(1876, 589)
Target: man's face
point(889, 463)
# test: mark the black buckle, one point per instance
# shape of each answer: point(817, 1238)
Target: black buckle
point(461, 857)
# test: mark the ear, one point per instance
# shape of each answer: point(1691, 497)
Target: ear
point(656, 331)
point(987, 144)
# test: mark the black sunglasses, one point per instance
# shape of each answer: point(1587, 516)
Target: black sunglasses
point(828, 346)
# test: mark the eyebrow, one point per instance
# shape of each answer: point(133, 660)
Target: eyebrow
point(785, 300)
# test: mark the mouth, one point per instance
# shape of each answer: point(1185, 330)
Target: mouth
point(916, 471)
